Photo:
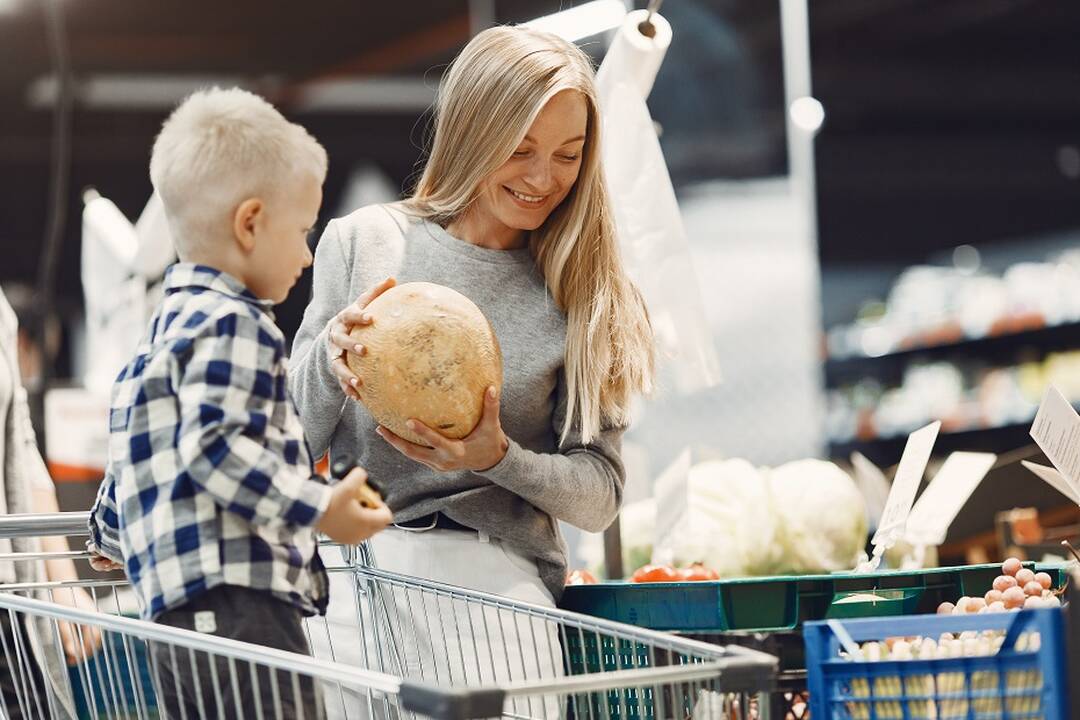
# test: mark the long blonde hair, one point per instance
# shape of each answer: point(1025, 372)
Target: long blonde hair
point(488, 99)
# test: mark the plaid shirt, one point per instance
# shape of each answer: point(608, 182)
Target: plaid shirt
point(209, 480)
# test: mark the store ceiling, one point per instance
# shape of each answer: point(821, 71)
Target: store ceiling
point(946, 120)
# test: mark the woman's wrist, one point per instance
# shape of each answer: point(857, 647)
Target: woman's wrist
point(497, 457)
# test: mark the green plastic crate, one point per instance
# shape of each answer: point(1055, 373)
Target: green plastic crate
point(785, 602)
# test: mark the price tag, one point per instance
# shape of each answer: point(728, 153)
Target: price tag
point(905, 484)
point(672, 493)
point(873, 485)
point(946, 494)
point(1056, 431)
point(1054, 479)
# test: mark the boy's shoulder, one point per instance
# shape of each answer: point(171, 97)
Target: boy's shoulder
point(187, 316)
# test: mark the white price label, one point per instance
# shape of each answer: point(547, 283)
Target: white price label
point(906, 483)
point(1056, 431)
point(1054, 479)
point(946, 494)
point(672, 493)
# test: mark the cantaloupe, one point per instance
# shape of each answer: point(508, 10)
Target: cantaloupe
point(430, 355)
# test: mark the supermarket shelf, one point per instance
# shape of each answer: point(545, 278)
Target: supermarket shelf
point(886, 451)
point(995, 350)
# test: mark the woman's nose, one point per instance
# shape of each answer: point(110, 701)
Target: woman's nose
point(539, 175)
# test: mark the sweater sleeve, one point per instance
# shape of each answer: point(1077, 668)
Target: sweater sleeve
point(315, 388)
point(581, 484)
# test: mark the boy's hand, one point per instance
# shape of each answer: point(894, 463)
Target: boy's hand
point(346, 520)
point(103, 564)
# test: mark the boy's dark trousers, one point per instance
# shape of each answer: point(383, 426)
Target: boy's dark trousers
point(189, 688)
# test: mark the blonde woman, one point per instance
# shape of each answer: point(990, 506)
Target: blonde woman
point(512, 212)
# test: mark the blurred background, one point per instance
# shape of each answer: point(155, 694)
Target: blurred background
point(881, 203)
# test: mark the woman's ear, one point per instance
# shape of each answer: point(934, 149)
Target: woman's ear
point(245, 220)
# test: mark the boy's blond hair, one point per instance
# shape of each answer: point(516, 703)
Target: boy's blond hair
point(220, 147)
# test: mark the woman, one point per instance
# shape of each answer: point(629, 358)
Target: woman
point(512, 212)
point(25, 487)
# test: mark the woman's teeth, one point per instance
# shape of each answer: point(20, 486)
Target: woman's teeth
point(526, 198)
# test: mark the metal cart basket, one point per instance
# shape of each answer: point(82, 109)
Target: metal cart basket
point(400, 647)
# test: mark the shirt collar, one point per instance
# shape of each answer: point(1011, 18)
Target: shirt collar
point(181, 276)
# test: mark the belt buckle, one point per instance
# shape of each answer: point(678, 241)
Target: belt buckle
point(432, 526)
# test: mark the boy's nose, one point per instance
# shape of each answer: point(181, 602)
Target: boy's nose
point(308, 257)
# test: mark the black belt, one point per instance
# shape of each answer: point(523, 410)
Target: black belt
point(431, 521)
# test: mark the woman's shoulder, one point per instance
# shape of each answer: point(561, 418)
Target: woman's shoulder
point(378, 221)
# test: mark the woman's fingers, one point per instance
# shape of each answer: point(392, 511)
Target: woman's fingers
point(354, 314)
point(343, 341)
point(344, 373)
point(435, 439)
point(376, 291)
point(419, 453)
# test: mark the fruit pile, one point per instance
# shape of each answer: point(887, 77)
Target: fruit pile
point(1017, 587)
point(651, 574)
point(667, 573)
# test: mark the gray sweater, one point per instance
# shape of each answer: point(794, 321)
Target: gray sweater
point(538, 481)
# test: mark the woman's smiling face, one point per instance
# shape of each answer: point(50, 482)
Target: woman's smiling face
point(538, 176)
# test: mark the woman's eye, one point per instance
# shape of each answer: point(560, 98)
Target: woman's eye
point(521, 153)
point(569, 158)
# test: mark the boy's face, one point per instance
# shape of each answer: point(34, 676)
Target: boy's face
point(281, 240)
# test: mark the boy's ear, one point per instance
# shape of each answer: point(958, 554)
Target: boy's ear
point(245, 221)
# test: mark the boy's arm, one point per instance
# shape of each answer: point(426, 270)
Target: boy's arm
point(228, 389)
point(104, 522)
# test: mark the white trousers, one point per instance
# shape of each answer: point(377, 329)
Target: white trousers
point(439, 640)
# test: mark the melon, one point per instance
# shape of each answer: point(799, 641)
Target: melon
point(430, 355)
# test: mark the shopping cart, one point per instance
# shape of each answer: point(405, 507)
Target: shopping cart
point(401, 647)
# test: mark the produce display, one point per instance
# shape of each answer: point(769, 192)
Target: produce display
point(429, 354)
point(806, 516)
point(1016, 588)
point(667, 573)
point(580, 577)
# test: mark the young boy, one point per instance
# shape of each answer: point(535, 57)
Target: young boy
point(209, 500)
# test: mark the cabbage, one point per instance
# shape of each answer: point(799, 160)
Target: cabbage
point(729, 525)
point(821, 514)
point(803, 517)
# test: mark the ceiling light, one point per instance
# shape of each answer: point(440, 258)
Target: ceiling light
point(582, 21)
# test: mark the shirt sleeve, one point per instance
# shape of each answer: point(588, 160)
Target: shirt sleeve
point(31, 456)
point(581, 484)
point(318, 395)
point(227, 394)
point(104, 522)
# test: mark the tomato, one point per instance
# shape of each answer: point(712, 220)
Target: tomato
point(656, 573)
point(580, 577)
point(698, 571)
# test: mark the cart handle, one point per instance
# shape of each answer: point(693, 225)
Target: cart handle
point(68, 524)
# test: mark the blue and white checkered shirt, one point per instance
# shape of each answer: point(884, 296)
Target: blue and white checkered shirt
point(209, 480)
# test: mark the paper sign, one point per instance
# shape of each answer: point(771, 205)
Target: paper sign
point(946, 494)
point(1056, 431)
point(672, 494)
point(906, 483)
point(873, 485)
point(1054, 479)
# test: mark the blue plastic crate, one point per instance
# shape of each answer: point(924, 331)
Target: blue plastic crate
point(1011, 684)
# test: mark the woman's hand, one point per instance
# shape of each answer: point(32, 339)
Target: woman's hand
point(338, 341)
point(79, 642)
point(482, 449)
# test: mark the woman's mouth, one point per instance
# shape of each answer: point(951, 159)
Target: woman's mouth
point(525, 200)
